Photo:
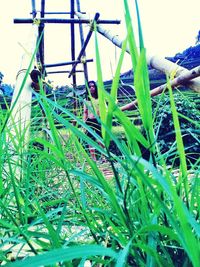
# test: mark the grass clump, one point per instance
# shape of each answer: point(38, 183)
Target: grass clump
point(59, 208)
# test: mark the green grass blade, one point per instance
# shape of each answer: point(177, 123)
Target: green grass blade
point(131, 37)
point(180, 145)
point(113, 94)
point(100, 86)
point(64, 255)
point(52, 232)
point(122, 256)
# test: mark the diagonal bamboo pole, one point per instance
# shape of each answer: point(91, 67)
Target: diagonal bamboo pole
point(181, 79)
point(84, 45)
point(155, 62)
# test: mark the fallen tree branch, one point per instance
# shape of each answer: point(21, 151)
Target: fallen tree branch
point(155, 62)
point(180, 80)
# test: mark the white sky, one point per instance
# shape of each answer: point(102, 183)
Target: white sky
point(169, 26)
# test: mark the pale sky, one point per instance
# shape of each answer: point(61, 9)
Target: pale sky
point(169, 26)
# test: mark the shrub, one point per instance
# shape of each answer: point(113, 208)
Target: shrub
point(189, 114)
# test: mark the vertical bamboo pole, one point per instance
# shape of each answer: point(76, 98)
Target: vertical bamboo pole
point(85, 68)
point(19, 120)
point(73, 39)
point(34, 12)
point(40, 32)
point(73, 52)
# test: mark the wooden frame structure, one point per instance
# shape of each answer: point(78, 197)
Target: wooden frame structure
point(155, 62)
point(72, 21)
point(20, 111)
point(19, 121)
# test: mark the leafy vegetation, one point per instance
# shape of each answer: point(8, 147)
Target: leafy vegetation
point(188, 108)
point(59, 208)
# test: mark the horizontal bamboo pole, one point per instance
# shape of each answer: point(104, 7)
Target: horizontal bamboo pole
point(66, 63)
point(53, 20)
point(60, 13)
point(180, 80)
point(155, 62)
point(62, 71)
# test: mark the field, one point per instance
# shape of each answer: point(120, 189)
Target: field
point(139, 208)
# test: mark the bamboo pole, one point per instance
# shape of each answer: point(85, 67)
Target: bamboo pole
point(41, 32)
point(82, 42)
point(73, 40)
point(84, 45)
point(155, 62)
point(34, 12)
point(19, 121)
point(62, 71)
point(18, 124)
point(182, 79)
point(66, 63)
point(64, 21)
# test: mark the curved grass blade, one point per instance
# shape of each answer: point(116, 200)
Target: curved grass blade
point(64, 255)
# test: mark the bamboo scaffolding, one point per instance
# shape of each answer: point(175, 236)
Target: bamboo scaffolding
point(155, 62)
point(180, 80)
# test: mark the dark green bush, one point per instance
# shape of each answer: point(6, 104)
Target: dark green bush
point(189, 114)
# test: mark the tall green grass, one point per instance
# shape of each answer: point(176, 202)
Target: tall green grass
point(65, 210)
